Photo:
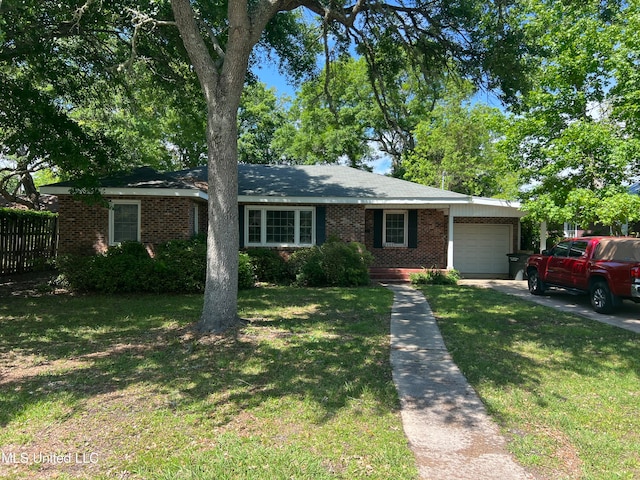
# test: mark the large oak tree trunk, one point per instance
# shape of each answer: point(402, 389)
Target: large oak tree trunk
point(221, 291)
point(222, 85)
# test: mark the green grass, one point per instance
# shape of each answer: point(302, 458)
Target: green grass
point(565, 389)
point(304, 390)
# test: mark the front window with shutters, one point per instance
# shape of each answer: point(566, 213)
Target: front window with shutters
point(394, 229)
point(124, 221)
point(279, 226)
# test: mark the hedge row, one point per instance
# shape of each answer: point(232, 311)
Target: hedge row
point(19, 213)
point(180, 267)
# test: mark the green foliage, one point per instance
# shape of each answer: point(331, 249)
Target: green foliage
point(345, 264)
point(179, 266)
point(182, 264)
point(619, 209)
point(269, 266)
point(335, 263)
point(435, 277)
point(575, 138)
point(16, 213)
point(246, 275)
point(306, 267)
point(327, 127)
point(457, 147)
point(260, 115)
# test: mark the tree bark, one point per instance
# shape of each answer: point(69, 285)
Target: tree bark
point(222, 82)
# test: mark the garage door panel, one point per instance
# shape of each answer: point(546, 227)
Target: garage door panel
point(481, 249)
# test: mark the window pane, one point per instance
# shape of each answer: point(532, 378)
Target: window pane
point(395, 228)
point(306, 226)
point(125, 223)
point(281, 226)
point(255, 226)
point(561, 250)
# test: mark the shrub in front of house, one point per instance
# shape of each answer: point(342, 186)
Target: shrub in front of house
point(125, 268)
point(179, 266)
point(435, 277)
point(246, 272)
point(269, 266)
point(305, 266)
point(335, 263)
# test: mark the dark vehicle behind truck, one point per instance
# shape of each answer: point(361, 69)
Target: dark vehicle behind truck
point(607, 268)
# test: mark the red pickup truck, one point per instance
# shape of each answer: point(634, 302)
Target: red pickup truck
point(608, 268)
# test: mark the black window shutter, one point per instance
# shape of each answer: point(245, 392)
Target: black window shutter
point(241, 225)
point(321, 225)
point(413, 229)
point(377, 228)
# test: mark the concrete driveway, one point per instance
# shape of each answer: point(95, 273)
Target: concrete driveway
point(628, 316)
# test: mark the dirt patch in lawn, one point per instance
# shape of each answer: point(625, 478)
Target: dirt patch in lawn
point(31, 284)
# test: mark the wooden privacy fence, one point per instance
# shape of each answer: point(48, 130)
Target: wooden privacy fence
point(27, 239)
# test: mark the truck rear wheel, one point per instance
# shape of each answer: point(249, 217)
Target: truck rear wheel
point(602, 300)
point(536, 285)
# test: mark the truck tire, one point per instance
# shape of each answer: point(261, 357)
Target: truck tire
point(602, 300)
point(536, 286)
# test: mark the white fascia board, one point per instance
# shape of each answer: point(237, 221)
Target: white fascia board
point(135, 192)
point(495, 202)
point(353, 201)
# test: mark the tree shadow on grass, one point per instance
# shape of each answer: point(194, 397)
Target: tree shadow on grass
point(487, 332)
point(76, 349)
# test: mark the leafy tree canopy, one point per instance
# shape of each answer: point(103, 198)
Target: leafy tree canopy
point(574, 138)
point(457, 147)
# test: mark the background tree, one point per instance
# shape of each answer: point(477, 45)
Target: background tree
point(260, 116)
point(68, 103)
point(457, 147)
point(330, 118)
point(574, 140)
point(348, 114)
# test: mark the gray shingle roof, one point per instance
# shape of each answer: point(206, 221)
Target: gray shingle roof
point(322, 181)
point(142, 177)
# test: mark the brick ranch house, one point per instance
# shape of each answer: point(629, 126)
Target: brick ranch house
point(405, 225)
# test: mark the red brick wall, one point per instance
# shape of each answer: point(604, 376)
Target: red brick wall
point(84, 229)
point(346, 222)
point(431, 251)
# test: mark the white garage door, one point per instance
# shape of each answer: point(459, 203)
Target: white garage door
point(481, 249)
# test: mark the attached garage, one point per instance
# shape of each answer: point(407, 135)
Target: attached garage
point(481, 249)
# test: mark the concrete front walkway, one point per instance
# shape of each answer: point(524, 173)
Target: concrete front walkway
point(445, 422)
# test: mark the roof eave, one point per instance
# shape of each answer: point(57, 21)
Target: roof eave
point(352, 200)
point(134, 192)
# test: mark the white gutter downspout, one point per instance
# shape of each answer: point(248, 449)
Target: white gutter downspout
point(450, 245)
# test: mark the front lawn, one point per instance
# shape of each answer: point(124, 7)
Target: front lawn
point(119, 387)
point(565, 389)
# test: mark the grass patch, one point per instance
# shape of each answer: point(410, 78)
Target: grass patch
point(565, 389)
point(123, 387)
